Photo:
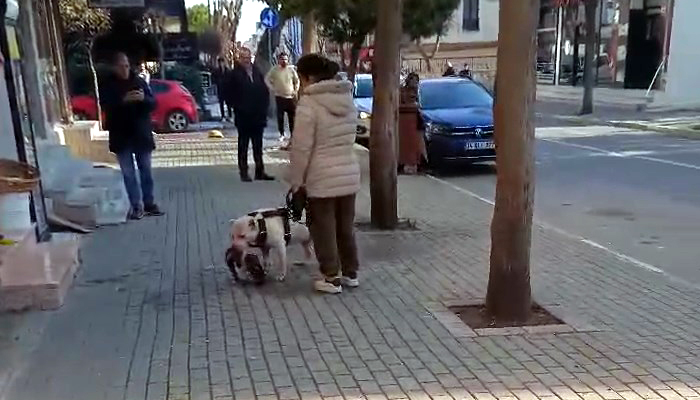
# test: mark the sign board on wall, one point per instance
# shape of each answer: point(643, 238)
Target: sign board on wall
point(116, 3)
point(181, 47)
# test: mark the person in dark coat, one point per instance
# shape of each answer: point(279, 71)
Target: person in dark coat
point(465, 72)
point(219, 76)
point(127, 102)
point(450, 70)
point(250, 98)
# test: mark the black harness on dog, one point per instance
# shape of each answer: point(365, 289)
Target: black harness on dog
point(282, 212)
point(251, 263)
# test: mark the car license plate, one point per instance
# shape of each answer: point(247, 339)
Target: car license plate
point(483, 145)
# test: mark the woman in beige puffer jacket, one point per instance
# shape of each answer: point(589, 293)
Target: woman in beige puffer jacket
point(322, 160)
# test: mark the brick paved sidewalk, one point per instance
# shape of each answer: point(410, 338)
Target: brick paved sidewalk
point(154, 314)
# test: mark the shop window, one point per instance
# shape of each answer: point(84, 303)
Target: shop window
point(470, 15)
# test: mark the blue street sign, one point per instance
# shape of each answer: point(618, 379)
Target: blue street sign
point(269, 18)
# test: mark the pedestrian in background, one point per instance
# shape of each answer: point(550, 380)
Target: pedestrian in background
point(127, 102)
point(465, 72)
point(144, 73)
point(247, 93)
point(450, 70)
point(284, 84)
point(323, 162)
point(219, 77)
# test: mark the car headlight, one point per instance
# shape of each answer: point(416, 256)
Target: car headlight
point(364, 115)
point(435, 129)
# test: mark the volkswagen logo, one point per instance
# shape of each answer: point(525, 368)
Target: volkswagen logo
point(477, 132)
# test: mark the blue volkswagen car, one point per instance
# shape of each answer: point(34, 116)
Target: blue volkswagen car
point(456, 115)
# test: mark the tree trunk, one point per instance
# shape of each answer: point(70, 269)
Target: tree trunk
point(508, 297)
point(95, 82)
point(385, 117)
point(588, 72)
point(428, 57)
point(354, 58)
point(308, 34)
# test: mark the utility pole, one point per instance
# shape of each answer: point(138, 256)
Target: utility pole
point(385, 115)
point(508, 297)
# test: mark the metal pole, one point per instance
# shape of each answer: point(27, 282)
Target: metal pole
point(269, 44)
point(560, 27)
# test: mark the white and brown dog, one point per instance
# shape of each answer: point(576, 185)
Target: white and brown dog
point(270, 230)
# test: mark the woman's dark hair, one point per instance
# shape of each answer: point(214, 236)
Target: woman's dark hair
point(317, 67)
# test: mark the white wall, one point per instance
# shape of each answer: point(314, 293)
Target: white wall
point(488, 25)
point(683, 81)
point(14, 208)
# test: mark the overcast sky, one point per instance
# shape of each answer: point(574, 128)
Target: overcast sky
point(251, 15)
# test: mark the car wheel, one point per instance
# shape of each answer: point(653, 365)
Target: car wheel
point(177, 121)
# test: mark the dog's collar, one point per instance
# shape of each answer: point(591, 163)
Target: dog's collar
point(282, 212)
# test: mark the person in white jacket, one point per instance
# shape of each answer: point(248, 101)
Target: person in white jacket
point(323, 162)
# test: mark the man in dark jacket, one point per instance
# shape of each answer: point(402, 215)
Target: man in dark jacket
point(250, 98)
point(127, 102)
point(450, 70)
point(219, 77)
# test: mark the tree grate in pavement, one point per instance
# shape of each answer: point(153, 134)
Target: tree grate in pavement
point(459, 318)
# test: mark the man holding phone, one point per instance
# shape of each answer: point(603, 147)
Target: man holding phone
point(127, 102)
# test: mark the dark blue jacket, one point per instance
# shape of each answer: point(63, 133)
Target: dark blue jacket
point(129, 124)
point(250, 100)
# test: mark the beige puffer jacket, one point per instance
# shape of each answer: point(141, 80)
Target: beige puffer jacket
point(321, 156)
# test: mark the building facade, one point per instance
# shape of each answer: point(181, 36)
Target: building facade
point(632, 42)
point(34, 108)
point(682, 87)
point(471, 38)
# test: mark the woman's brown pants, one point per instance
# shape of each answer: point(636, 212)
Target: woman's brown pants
point(333, 233)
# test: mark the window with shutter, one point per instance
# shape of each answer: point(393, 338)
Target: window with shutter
point(470, 15)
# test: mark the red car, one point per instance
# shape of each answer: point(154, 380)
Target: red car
point(175, 108)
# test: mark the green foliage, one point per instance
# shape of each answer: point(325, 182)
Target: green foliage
point(347, 21)
point(426, 18)
point(190, 77)
point(198, 18)
point(350, 21)
point(81, 24)
point(80, 19)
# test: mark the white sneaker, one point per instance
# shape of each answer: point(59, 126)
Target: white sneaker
point(325, 286)
point(350, 282)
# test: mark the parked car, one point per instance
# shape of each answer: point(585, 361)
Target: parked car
point(456, 115)
point(175, 108)
point(363, 92)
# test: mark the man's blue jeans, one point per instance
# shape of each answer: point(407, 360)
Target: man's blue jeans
point(136, 193)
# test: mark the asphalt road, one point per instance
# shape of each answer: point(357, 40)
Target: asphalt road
point(634, 193)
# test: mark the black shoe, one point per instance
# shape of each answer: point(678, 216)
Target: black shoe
point(264, 177)
point(152, 210)
point(135, 214)
point(246, 178)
